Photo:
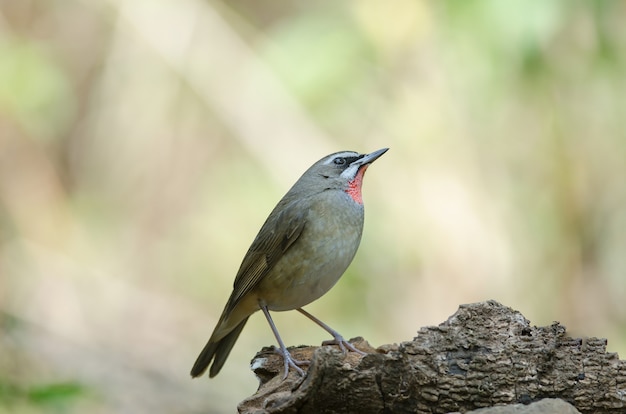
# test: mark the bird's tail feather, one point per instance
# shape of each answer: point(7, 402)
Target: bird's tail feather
point(216, 351)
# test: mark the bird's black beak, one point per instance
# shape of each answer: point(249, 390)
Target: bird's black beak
point(370, 158)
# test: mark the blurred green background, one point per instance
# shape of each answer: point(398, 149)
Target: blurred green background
point(143, 143)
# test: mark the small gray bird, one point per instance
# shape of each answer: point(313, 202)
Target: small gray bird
point(303, 248)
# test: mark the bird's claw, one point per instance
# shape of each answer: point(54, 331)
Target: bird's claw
point(289, 361)
point(343, 344)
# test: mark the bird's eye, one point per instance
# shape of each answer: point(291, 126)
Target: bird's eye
point(339, 161)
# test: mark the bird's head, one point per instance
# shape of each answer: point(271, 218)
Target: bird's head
point(342, 170)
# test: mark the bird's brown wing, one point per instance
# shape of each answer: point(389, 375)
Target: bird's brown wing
point(275, 237)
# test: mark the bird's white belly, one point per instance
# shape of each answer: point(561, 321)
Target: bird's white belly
point(307, 272)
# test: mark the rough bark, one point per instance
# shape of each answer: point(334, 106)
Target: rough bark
point(545, 406)
point(484, 355)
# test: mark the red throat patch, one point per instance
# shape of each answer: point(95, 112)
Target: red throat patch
point(354, 186)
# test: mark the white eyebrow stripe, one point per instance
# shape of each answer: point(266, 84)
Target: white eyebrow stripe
point(340, 154)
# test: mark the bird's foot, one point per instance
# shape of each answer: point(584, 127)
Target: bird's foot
point(343, 345)
point(289, 361)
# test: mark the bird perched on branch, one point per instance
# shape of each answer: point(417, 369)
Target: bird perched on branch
point(301, 251)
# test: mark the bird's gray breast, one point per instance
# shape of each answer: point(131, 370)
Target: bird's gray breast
point(322, 253)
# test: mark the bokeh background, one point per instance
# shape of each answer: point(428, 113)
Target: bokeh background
point(143, 143)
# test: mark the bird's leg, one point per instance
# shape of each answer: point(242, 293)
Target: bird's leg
point(287, 359)
point(338, 339)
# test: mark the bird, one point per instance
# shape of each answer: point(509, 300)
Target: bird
point(303, 248)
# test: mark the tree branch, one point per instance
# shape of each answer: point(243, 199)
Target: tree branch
point(486, 354)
